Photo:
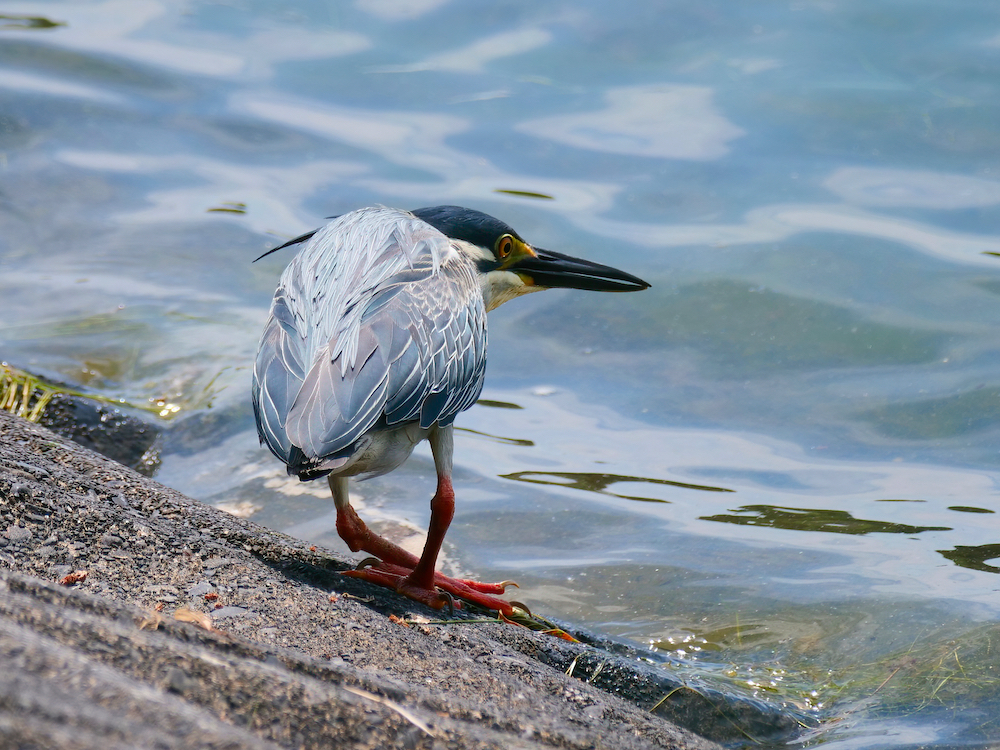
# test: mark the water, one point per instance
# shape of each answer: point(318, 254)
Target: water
point(780, 461)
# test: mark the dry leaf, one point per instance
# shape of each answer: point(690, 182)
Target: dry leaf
point(200, 619)
point(152, 621)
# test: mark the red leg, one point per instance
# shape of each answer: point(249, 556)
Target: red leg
point(442, 511)
point(413, 577)
point(396, 560)
point(360, 538)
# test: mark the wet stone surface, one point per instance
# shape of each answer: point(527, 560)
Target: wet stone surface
point(188, 627)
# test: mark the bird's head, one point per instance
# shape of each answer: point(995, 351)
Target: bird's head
point(509, 267)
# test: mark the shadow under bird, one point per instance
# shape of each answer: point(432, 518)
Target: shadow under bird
point(376, 340)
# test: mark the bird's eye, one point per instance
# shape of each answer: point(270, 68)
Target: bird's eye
point(504, 245)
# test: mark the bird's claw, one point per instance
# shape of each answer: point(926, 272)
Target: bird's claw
point(519, 605)
point(450, 601)
point(368, 562)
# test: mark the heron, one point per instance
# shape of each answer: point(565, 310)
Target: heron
point(376, 341)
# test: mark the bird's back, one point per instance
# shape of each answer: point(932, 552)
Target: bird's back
point(377, 322)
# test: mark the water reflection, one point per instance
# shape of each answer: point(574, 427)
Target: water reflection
point(525, 194)
point(969, 509)
point(27, 22)
point(497, 438)
point(473, 57)
point(596, 482)
point(659, 120)
point(230, 207)
point(396, 11)
point(416, 141)
point(974, 557)
point(905, 187)
point(811, 519)
point(13, 80)
point(963, 413)
point(489, 402)
point(778, 222)
point(412, 138)
point(740, 327)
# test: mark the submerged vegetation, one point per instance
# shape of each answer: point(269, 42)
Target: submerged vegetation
point(950, 682)
point(28, 396)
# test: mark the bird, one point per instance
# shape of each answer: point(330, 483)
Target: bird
point(375, 341)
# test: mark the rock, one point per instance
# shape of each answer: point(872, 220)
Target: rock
point(115, 661)
point(105, 429)
point(201, 588)
point(17, 533)
point(224, 612)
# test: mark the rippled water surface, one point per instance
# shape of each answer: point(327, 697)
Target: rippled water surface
point(780, 461)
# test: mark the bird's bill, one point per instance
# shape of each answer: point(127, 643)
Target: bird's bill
point(557, 271)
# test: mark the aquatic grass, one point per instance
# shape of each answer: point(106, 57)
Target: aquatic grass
point(521, 616)
point(931, 679)
point(24, 394)
point(28, 395)
point(947, 675)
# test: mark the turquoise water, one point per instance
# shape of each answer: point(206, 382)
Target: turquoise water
point(780, 461)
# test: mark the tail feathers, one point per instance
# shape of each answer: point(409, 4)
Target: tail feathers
point(299, 464)
point(306, 468)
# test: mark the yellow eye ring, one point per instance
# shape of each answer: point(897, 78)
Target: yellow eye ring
point(505, 245)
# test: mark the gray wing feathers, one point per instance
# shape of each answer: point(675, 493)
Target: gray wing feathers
point(369, 332)
point(277, 376)
point(441, 366)
point(412, 365)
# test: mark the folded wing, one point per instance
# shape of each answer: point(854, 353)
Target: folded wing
point(359, 344)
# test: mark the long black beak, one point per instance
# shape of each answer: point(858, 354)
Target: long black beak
point(555, 270)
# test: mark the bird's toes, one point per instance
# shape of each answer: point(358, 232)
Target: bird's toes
point(432, 597)
point(485, 588)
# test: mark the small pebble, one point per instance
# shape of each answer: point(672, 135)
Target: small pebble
point(17, 533)
point(201, 588)
point(224, 612)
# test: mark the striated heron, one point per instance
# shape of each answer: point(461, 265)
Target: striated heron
point(376, 340)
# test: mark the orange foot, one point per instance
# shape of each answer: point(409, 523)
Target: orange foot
point(399, 578)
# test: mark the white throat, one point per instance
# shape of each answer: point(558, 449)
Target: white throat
point(500, 286)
